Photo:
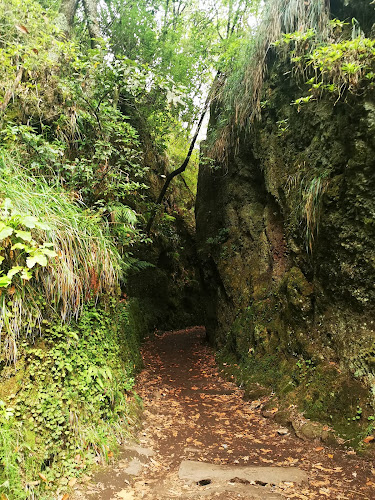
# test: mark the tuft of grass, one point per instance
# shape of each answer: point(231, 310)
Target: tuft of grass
point(88, 263)
point(311, 207)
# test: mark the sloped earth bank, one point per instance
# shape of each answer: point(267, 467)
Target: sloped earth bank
point(193, 415)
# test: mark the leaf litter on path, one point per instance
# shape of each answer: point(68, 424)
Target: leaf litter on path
point(191, 412)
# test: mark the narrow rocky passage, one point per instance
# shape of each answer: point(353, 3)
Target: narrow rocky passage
point(191, 414)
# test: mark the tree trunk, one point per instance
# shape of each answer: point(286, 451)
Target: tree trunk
point(91, 11)
point(68, 8)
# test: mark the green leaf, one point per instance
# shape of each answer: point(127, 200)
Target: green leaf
point(7, 204)
point(24, 235)
point(19, 246)
point(48, 252)
point(1, 259)
point(5, 232)
point(37, 258)
point(26, 274)
point(13, 271)
point(29, 221)
point(4, 281)
point(42, 225)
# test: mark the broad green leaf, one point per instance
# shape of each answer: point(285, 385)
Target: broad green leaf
point(13, 271)
point(48, 252)
point(42, 225)
point(19, 246)
point(5, 232)
point(26, 275)
point(24, 235)
point(7, 204)
point(29, 221)
point(37, 258)
point(4, 281)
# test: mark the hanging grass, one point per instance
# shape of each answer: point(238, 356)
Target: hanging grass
point(240, 97)
point(87, 264)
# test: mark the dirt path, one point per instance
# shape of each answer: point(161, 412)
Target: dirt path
point(192, 414)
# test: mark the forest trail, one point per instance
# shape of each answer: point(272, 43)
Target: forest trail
point(192, 414)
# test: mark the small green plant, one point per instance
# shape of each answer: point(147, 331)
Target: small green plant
point(357, 416)
point(220, 238)
point(20, 253)
point(283, 126)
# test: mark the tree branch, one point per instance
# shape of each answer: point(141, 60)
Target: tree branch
point(180, 169)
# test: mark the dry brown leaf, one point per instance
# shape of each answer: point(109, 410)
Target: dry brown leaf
point(324, 469)
point(22, 29)
point(72, 482)
point(368, 439)
point(65, 497)
point(325, 492)
point(319, 484)
point(319, 448)
point(43, 477)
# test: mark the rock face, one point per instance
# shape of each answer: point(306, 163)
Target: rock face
point(286, 234)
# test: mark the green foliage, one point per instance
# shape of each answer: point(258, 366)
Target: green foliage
point(87, 265)
point(21, 251)
point(241, 99)
point(75, 403)
point(338, 66)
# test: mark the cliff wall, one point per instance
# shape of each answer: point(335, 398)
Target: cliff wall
point(286, 234)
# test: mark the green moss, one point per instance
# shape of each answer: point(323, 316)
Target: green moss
point(320, 391)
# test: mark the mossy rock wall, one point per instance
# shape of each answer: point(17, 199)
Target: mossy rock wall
point(286, 234)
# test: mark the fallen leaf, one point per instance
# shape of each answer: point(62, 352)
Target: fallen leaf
point(72, 482)
point(43, 477)
point(22, 28)
point(319, 484)
point(329, 455)
point(65, 497)
point(368, 439)
point(325, 492)
point(125, 495)
point(319, 448)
